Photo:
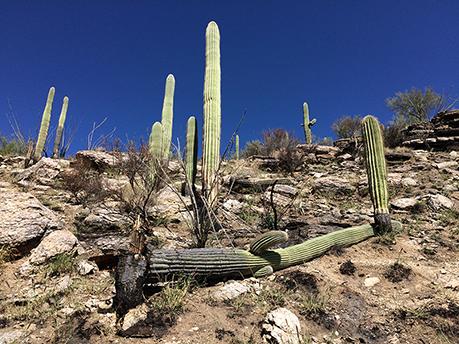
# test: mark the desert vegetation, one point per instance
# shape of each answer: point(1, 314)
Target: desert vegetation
point(285, 241)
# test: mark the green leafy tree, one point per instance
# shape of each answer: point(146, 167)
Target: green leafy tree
point(416, 106)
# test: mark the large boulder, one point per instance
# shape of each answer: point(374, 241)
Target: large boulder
point(43, 172)
point(23, 219)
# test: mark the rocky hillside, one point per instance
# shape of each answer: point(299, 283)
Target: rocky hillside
point(63, 224)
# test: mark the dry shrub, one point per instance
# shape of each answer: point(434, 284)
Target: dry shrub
point(84, 183)
point(347, 126)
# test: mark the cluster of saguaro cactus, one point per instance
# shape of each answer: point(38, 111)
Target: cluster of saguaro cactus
point(212, 114)
point(377, 173)
point(60, 128)
point(307, 124)
point(168, 115)
point(191, 158)
point(44, 126)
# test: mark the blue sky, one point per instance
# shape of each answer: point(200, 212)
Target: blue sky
point(111, 59)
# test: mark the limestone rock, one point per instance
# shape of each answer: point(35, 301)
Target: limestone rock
point(281, 326)
point(58, 242)
point(333, 184)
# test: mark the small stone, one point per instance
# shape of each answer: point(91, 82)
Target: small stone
point(371, 281)
point(453, 284)
point(408, 181)
point(439, 201)
point(230, 291)
point(443, 271)
point(403, 203)
point(84, 267)
point(447, 164)
point(281, 326)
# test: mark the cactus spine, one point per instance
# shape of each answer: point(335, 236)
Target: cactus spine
point(212, 113)
point(307, 124)
point(167, 115)
point(377, 173)
point(155, 141)
point(60, 127)
point(191, 151)
point(237, 147)
point(43, 134)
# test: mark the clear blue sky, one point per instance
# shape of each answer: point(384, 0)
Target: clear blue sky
point(112, 57)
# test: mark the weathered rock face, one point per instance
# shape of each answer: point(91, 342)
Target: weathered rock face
point(441, 133)
point(43, 172)
point(23, 219)
point(104, 227)
point(98, 160)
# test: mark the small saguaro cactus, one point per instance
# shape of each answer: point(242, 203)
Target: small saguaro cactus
point(237, 147)
point(60, 127)
point(191, 151)
point(307, 124)
point(212, 114)
point(155, 141)
point(43, 134)
point(377, 173)
point(168, 115)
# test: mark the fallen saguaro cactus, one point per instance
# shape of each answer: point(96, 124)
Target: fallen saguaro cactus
point(134, 272)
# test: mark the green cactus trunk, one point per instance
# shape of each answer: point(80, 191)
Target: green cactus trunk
point(155, 142)
point(377, 173)
point(43, 134)
point(307, 124)
point(212, 114)
point(226, 262)
point(60, 128)
point(191, 151)
point(168, 115)
point(237, 147)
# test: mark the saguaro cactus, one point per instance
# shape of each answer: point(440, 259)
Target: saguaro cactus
point(307, 124)
point(60, 127)
point(43, 134)
point(168, 115)
point(212, 113)
point(155, 142)
point(237, 147)
point(377, 173)
point(191, 151)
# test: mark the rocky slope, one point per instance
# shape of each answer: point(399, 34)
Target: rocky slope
point(59, 246)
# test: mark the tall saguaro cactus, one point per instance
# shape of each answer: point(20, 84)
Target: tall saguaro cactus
point(191, 151)
point(168, 115)
point(307, 124)
point(60, 127)
point(43, 134)
point(212, 113)
point(377, 173)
